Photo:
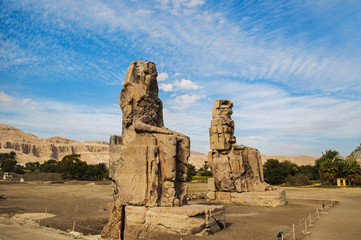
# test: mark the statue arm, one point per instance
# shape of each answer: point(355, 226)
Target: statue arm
point(143, 127)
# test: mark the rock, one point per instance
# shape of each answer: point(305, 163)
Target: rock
point(30, 148)
point(148, 222)
point(266, 199)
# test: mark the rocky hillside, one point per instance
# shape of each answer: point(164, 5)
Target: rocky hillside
point(30, 148)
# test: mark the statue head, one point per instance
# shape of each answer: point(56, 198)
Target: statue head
point(139, 99)
point(144, 74)
point(222, 108)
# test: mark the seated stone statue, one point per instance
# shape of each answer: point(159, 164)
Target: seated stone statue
point(148, 162)
point(235, 168)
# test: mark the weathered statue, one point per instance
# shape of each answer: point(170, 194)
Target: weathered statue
point(148, 162)
point(235, 168)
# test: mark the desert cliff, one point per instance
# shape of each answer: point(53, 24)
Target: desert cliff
point(30, 148)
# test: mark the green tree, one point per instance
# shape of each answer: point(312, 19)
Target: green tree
point(192, 171)
point(205, 169)
point(291, 168)
point(309, 171)
point(18, 169)
point(355, 154)
point(72, 167)
point(275, 172)
point(32, 166)
point(98, 171)
point(352, 171)
point(8, 161)
point(328, 165)
point(8, 165)
point(49, 166)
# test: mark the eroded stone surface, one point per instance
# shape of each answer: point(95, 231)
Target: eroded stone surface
point(148, 162)
point(147, 222)
point(236, 168)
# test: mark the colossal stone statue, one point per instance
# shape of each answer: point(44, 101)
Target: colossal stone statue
point(148, 162)
point(235, 168)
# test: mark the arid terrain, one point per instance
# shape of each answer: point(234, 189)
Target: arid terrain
point(30, 148)
point(85, 203)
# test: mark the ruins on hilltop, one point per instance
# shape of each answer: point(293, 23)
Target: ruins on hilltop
point(148, 168)
point(237, 169)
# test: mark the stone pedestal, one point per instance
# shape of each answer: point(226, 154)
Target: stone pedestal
point(147, 222)
point(272, 198)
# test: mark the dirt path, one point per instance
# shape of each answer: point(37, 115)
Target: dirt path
point(87, 203)
point(343, 221)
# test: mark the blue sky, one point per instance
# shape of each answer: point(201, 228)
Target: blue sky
point(292, 68)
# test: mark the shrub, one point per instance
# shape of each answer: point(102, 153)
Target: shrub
point(191, 172)
point(18, 169)
point(298, 180)
point(49, 166)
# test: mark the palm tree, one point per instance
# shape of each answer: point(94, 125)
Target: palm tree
point(355, 154)
point(352, 168)
point(327, 165)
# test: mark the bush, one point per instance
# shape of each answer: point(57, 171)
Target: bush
point(18, 169)
point(191, 172)
point(298, 180)
point(98, 171)
point(32, 166)
point(49, 166)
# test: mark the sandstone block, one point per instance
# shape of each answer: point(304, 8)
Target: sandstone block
point(211, 185)
point(211, 195)
point(223, 196)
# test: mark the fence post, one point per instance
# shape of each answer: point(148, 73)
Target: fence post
point(305, 231)
point(293, 232)
point(73, 226)
point(310, 218)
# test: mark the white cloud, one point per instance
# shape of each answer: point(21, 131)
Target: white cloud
point(28, 101)
point(194, 3)
point(177, 74)
point(162, 76)
point(50, 118)
point(6, 98)
point(166, 87)
point(186, 100)
point(186, 84)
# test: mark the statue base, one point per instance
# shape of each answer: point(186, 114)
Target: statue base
point(274, 198)
point(148, 222)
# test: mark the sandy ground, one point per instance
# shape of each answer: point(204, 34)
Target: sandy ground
point(28, 207)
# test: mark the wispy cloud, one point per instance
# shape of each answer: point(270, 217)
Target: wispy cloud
point(5, 98)
point(49, 118)
point(162, 77)
point(292, 68)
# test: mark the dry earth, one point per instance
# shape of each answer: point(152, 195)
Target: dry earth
point(85, 203)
